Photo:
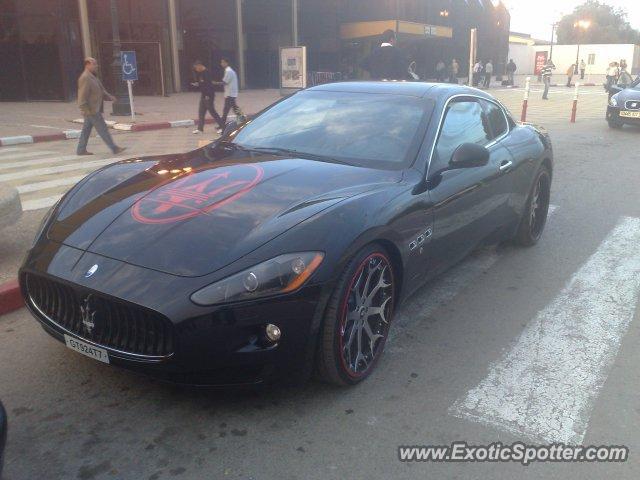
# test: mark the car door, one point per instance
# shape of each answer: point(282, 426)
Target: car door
point(509, 166)
point(469, 204)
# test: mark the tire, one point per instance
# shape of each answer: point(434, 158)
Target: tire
point(615, 125)
point(534, 217)
point(347, 354)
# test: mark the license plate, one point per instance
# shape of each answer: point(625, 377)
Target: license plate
point(628, 114)
point(96, 353)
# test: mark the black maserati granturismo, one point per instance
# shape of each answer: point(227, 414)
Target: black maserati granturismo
point(285, 247)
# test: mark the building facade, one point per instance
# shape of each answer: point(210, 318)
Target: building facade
point(524, 50)
point(42, 42)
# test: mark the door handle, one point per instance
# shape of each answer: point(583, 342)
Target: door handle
point(505, 165)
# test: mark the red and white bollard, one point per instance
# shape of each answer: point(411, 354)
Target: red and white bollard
point(525, 102)
point(574, 110)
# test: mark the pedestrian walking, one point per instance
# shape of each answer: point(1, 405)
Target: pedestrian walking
point(583, 68)
point(546, 73)
point(230, 81)
point(387, 61)
point(488, 72)
point(612, 74)
point(477, 73)
point(204, 82)
point(441, 71)
point(454, 69)
point(91, 94)
point(511, 71)
point(570, 72)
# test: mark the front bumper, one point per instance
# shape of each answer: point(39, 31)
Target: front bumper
point(213, 346)
point(613, 115)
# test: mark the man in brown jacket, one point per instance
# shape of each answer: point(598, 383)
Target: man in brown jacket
point(90, 98)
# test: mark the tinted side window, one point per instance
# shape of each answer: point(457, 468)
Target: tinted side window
point(497, 119)
point(464, 122)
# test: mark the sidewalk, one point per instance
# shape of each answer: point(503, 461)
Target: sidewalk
point(50, 118)
point(45, 121)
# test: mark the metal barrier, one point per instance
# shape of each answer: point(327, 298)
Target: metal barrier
point(318, 78)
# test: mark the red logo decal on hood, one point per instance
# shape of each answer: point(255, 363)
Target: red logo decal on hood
point(196, 194)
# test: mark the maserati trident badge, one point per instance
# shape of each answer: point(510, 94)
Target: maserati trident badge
point(88, 316)
point(91, 271)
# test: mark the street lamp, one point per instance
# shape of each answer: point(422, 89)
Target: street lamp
point(584, 26)
point(121, 105)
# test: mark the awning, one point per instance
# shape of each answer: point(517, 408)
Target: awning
point(355, 30)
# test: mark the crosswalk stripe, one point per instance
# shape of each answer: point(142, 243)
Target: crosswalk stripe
point(38, 203)
point(38, 161)
point(33, 153)
point(35, 187)
point(8, 150)
point(544, 388)
point(53, 170)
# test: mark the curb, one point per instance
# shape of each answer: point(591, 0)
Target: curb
point(10, 297)
point(71, 134)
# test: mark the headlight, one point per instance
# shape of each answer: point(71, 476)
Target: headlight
point(282, 274)
point(613, 101)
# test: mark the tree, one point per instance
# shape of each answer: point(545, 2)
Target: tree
point(607, 25)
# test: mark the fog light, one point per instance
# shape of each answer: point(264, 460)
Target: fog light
point(273, 332)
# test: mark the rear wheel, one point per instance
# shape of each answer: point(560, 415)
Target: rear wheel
point(534, 217)
point(357, 320)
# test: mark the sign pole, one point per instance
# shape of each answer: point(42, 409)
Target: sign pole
point(472, 54)
point(130, 87)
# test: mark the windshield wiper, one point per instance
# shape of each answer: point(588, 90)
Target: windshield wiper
point(296, 153)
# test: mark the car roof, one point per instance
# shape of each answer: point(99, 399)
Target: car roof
point(414, 89)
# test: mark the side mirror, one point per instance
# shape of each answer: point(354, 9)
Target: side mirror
point(469, 155)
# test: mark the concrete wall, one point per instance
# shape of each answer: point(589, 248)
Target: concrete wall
point(565, 55)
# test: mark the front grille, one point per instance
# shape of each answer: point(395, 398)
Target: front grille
point(632, 105)
point(108, 323)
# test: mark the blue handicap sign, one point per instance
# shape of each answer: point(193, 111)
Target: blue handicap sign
point(129, 65)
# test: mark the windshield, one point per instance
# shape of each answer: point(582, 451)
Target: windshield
point(376, 130)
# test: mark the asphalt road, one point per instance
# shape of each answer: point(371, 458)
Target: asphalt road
point(449, 373)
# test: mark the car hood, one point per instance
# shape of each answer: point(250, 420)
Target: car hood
point(195, 213)
point(629, 94)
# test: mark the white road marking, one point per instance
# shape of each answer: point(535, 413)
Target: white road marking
point(27, 154)
point(34, 172)
point(8, 150)
point(544, 388)
point(35, 187)
point(38, 203)
point(44, 126)
point(39, 161)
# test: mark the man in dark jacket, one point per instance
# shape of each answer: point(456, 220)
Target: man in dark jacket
point(205, 84)
point(387, 62)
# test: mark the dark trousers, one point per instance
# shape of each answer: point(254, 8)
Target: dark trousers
point(230, 103)
point(97, 121)
point(547, 82)
point(206, 105)
point(581, 74)
point(487, 79)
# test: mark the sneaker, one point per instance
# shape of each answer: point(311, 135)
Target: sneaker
point(119, 150)
point(84, 153)
point(197, 132)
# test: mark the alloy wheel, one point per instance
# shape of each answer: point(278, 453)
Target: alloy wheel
point(366, 315)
